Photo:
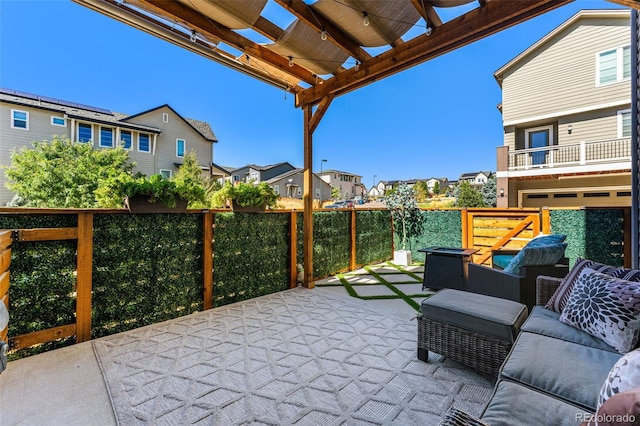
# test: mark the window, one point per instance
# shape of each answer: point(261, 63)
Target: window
point(180, 147)
point(318, 193)
point(85, 132)
point(144, 144)
point(538, 137)
point(613, 65)
point(165, 117)
point(58, 121)
point(19, 119)
point(624, 123)
point(165, 173)
point(299, 191)
point(125, 139)
point(106, 137)
point(276, 189)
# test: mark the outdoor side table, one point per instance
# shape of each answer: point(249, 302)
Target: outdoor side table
point(472, 329)
point(446, 267)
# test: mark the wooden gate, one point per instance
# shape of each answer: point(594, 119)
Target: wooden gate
point(493, 229)
point(84, 235)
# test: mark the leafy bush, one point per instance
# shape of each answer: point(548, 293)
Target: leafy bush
point(467, 196)
point(246, 194)
point(404, 209)
point(64, 174)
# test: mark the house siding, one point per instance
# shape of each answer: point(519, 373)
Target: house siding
point(561, 76)
point(165, 154)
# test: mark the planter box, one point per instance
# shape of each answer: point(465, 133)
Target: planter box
point(247, 209)
point(402, 257)
point(141, 204)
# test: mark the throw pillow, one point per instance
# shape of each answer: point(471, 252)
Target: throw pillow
point(559, 299)
point(547, 254)
point(605, 307)
point(543, 239)
point(622, 377)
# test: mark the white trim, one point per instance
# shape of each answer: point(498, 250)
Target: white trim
point(120, 139)
point(619, 52)
point(13, 119)
point(81, 123)
point(149, 136)
point(568, 112)
point(538, 129)
point(276, 189)
point(100, 137)
point(64, 120)
point(165, 117)
point(619, 115)
point(623, 165)
point(184, 147)
point(168, 171)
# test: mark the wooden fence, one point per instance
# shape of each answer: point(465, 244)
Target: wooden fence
point(5, 262)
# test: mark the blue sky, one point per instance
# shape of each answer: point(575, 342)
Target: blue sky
point(438, 119)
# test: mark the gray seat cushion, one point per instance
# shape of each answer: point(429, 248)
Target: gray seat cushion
point(563, 369)
point(486, 315)
point(546, 322)
point(515, 405)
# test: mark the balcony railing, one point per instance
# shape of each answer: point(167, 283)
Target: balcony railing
point(578, 154)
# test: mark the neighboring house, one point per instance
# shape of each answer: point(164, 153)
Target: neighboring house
point(291, 185)
point(157, 139)
point(475, 179)
point(350, 185)
point(257, 174)
point(377, 191)
point(220, 173)
point(443, 184)
point(566, 115)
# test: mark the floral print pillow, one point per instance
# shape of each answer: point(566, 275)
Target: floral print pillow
point(605, 307)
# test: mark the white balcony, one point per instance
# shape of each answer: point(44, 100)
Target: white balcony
point(583, 157)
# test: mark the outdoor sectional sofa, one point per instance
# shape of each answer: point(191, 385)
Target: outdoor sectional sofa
point(555, 372)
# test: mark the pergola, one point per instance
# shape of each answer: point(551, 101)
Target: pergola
point(327, 50)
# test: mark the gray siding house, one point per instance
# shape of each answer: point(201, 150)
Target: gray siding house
point(291, 185)
point(257, 174)
point(157, 139)
point(566, 116)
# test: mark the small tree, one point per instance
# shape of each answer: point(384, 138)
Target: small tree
point(190, 180)
point(422, 191)
point(467, 196)
point(436, 188)
point(335, 192)
point(64, 174)
point(404, 209)
point(489, 192)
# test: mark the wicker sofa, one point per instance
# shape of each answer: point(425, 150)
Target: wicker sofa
point(552, 376)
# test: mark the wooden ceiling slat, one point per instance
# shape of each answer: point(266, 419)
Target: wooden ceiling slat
point(427, 12)
point(474, 25)
point(205, 25)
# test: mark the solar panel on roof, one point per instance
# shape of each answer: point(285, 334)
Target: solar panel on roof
point(26, 95)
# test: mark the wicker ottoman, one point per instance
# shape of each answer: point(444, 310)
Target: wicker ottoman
point(473, 329)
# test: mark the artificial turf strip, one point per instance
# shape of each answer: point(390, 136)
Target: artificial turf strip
point(391, 287)
point(401, 269)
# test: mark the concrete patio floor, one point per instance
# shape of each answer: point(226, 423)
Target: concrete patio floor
point(66, 387)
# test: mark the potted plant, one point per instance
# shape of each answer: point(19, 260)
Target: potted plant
point(407, 217)
point(246, 196)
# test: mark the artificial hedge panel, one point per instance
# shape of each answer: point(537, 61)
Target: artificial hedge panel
point(331, 242)
point(250, 256)
point(596, 234)
point(373, 236)
point(147, 268)
point(42, 281)
point(441, 228)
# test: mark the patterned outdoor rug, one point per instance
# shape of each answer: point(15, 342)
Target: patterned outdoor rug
point(297, 357)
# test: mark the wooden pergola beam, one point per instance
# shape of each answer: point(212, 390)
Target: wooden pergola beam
point(634, 4)
point(205, 25)
point(474, 25)
point(427, 12)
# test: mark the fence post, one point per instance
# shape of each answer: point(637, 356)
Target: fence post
point(352, 262)
point(207, 261)
point(546, 221)
point(84, 278)
point(626, 227)
point(293, 249)
point(464, 218)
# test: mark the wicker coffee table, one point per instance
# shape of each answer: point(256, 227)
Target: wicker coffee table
point(473, 329)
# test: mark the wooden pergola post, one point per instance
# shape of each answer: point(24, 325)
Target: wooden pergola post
point(311, 121)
